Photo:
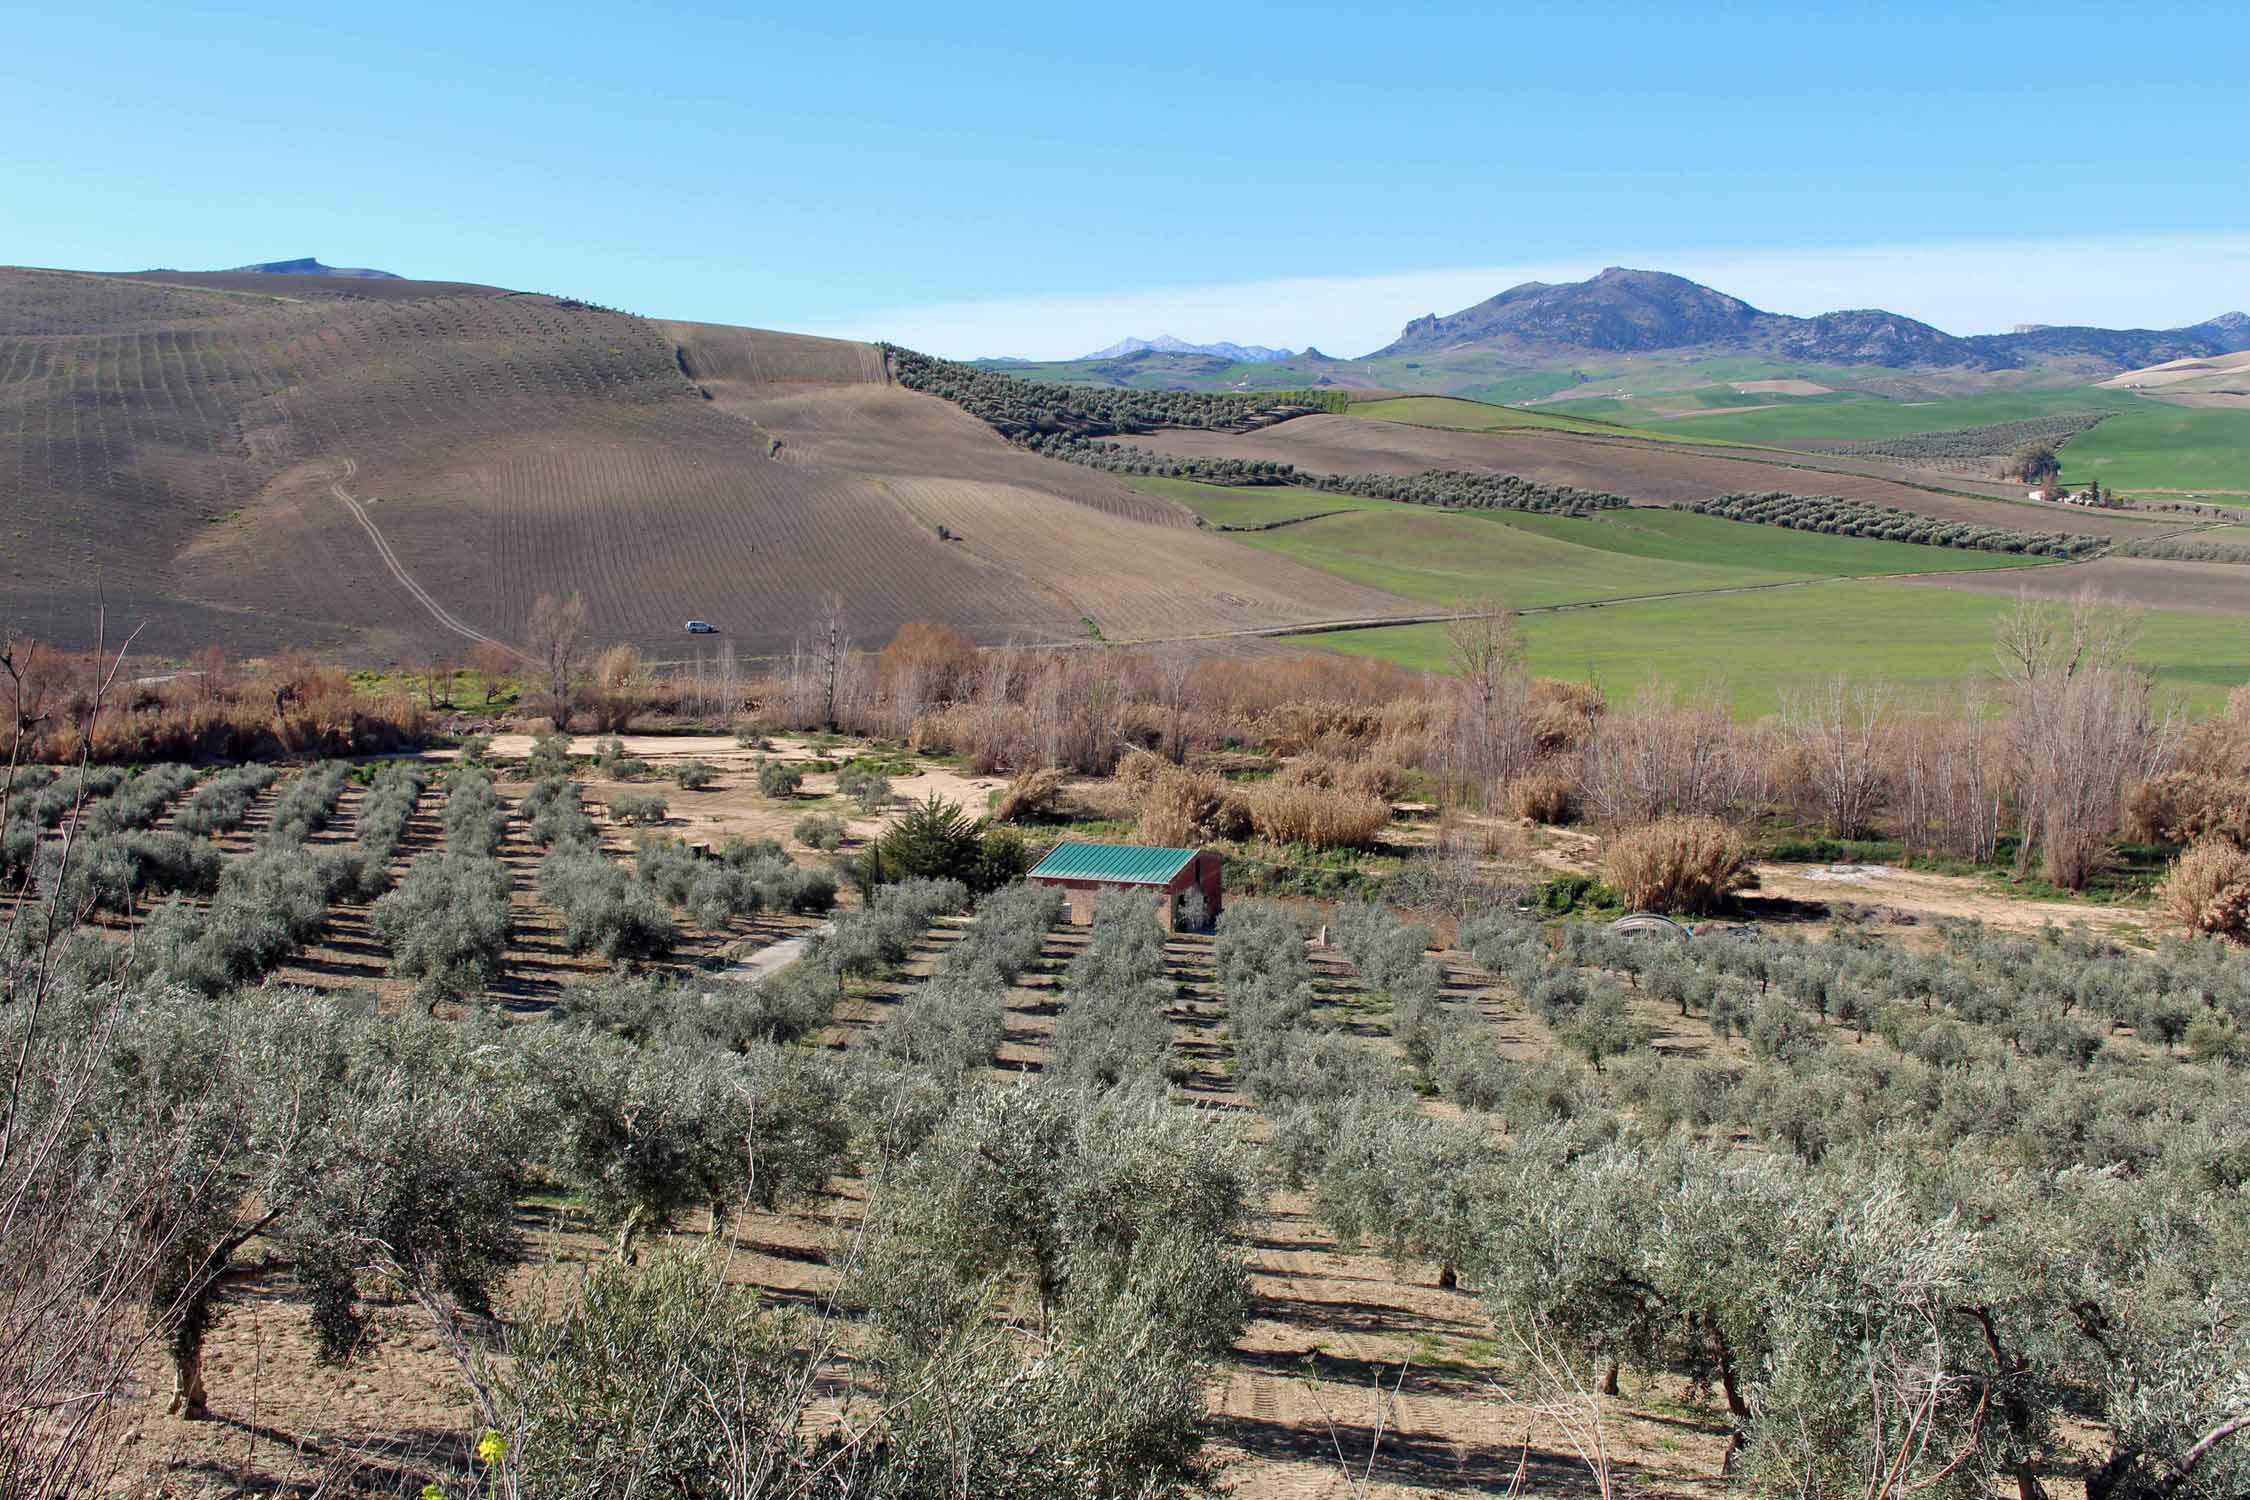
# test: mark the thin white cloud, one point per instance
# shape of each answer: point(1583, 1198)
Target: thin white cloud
point(1980, 286)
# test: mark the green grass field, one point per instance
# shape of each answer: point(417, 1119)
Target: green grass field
point(1526, 560)
point(2158, 447)
point(1252, 505)
point(1855, 419)
point(1529, 561)
point(1464, 415)
point(2147, 446)
point(1763, 645)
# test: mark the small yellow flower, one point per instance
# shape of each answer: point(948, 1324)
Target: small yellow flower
point(432, 1492)
point(492, 1447)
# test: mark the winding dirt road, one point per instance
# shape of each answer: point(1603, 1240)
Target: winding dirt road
point(422, 596)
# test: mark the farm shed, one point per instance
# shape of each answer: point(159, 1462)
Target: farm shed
point(1085, 870)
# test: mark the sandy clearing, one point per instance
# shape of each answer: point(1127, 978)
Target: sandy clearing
point(1925, 896)
point(733, 807)
point(2155, 583)
point(1932, 897)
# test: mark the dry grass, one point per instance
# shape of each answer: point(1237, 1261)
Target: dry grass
point(1679, 864)
point(2180, 807)
point(219, 711)
point(2208, 890)
point(1564, 715)
point(1377, 776)
point(1177, 807)
point(1540, 797)
point(1317, 816)
point(1029, 795)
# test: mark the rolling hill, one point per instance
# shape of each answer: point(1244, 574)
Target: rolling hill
point(380, 467)
point(385, 469)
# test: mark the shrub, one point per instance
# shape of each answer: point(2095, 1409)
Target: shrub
point(1030, 795)
point(139, 800)
point(474, 822)
point(385, 811)
point(641, 809)
point(880, 935)
point(695, 775)
point(822, 831)
point(1839, 517)
point(591, 1401)
point(221, 804)
point(2180, 807)
point(1318, 817)
point(122, 870)
point(550, 756)
point(603, 911)
point(447, 925)
point(865, 785)
point(2208, 889)
point(305, 805)
point(1540, 797)
point(778, 778)
point(1677, 864)
point(556, 815)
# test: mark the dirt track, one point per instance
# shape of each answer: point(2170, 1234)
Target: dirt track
point(184, 444)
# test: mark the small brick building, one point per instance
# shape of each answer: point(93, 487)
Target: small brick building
point(1085, 870)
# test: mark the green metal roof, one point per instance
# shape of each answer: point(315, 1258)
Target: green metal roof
point(1113, 864)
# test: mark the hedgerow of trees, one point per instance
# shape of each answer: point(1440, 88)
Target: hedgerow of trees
point(1839, 517)
point(2186, 549)
point(1019, 408)
point(1975, 442)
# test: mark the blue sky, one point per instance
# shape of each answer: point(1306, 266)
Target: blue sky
point(1017, 179)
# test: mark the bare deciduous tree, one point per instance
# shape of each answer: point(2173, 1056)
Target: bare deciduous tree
point(494, 664)
point(1839, 730)
point(555, 641)
point(1494, 730)
point(1660, 756)
point(831, 646)
point(2083, 730)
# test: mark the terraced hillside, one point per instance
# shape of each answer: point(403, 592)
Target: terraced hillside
point(384, 473)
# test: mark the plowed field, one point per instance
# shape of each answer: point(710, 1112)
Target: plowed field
point(224, 464)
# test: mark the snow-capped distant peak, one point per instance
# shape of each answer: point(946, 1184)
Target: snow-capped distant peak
point(1166, 344)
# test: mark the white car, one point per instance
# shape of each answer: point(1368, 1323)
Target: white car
point(701, 627)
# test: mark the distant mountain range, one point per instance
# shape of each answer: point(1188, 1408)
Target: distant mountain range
point(1649, 312)
point(311, 267)
point(1249, 354)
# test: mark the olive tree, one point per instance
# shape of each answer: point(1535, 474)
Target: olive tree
point(349, 1147)
point(447, 925)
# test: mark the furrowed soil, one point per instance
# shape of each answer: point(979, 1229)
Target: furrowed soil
point(384, 468)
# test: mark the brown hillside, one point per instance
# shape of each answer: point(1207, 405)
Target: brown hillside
point(280, 284)
point(385, 476)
